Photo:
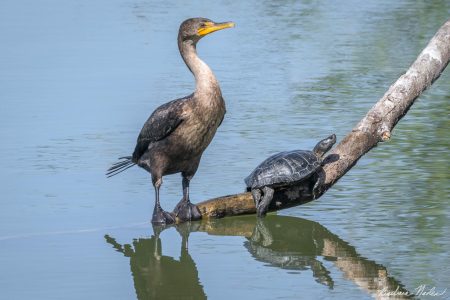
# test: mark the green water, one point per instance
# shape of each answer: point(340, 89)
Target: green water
point(79, 78)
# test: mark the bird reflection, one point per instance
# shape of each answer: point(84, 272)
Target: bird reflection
point(290, 243)
point(158, 276)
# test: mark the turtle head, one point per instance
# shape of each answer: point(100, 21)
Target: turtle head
point(324, 145)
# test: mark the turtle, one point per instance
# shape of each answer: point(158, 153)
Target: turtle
point(285, 169)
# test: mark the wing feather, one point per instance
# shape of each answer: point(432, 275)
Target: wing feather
point(162, 122)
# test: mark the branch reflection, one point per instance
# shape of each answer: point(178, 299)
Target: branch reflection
point(279, 241)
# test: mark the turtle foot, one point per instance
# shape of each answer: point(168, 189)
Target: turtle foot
point(263, 204)
point(261, 210)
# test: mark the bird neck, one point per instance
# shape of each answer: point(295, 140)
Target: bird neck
point(205, 81)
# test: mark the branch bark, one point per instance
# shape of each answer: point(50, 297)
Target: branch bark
point(375, 127)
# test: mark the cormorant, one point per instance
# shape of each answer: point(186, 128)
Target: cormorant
point(176, 134)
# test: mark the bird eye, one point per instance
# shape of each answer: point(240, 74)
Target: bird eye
point(206, 24)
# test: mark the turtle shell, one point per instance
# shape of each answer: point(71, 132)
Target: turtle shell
point(284, 168)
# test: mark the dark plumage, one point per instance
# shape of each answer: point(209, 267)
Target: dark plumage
point(176, 134)
point(285, 169)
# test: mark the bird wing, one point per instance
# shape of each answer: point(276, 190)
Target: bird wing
point(162, 122)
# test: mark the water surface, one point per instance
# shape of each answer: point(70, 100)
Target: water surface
point(79, 78)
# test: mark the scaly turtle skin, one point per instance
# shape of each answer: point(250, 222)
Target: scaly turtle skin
point(286, 169)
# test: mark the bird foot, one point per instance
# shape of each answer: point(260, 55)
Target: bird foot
point(186, 211)
point(161, 217)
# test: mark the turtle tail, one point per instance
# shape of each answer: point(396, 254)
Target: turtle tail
point(124, 163)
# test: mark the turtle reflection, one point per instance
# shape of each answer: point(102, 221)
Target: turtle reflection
point(298, 244)
point(271, 244)
point(279, 241)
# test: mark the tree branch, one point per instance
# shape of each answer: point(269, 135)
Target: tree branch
point(375, 127)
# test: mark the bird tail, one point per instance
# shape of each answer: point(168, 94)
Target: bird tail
point(124, 163)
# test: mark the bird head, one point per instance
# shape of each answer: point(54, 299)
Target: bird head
point(196, 28)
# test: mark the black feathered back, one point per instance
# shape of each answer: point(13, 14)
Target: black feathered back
point(163, 121)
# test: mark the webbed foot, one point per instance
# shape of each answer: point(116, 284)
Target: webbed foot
point(161, 217)
point(186, 211)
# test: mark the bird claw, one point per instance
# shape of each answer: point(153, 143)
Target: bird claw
point(161, 217)
point(186, 211)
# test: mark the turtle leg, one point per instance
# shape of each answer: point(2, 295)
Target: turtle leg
point(185, 210)
point(263, 205)
point(256, 193)
point(319, 181)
